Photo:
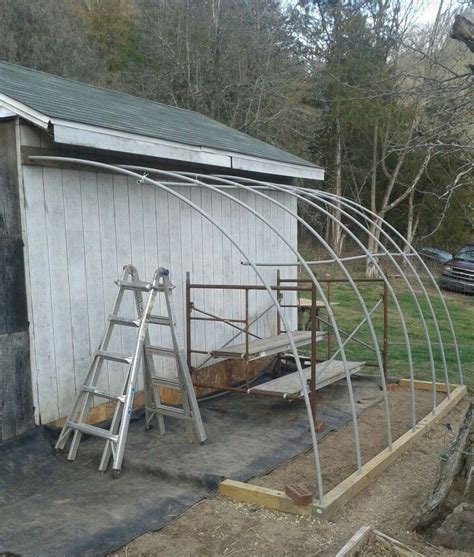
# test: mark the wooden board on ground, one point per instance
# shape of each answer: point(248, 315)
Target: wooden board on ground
point(325, 375)
point(357, 481)
point(266, 346)
point(367, 536)
point(351, 486)
point(257, 495)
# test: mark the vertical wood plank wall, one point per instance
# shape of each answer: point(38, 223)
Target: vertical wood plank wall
point(81, 228)
point(16, 402)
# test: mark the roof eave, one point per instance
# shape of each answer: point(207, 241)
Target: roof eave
point(24, 111)
point(73, 133)
point(84, 135)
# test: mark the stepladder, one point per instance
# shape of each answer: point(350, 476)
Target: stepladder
point(141, 358)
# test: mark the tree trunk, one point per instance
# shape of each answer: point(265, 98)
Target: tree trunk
point(411, 216)
point(372, 245)
point(337, 235)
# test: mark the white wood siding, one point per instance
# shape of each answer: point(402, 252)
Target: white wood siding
point(81, 228)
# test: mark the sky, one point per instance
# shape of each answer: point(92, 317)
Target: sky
point(428, 10)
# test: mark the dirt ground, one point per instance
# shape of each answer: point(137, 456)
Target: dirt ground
point(222, 527)
point(337, 451)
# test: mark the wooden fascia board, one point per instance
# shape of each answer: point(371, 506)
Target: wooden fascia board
point(73, 133)
point(24, 111)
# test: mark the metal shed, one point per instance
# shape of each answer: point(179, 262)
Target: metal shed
point(67, 231)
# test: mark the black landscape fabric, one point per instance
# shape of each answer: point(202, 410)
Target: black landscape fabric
point(50, 506)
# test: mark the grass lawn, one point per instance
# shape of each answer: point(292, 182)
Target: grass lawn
point(348, 314)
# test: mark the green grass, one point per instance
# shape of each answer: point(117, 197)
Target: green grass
point(348, 314)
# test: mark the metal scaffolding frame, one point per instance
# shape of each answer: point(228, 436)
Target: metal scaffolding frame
point(322, 202)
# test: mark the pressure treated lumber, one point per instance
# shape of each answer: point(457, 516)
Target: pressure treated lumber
point(426, 385)
point(262, 496)
point(357, 481)
point(351, 486)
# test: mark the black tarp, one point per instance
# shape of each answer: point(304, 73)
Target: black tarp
point(50, 506)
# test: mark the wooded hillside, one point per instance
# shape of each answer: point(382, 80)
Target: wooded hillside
point(382, 102)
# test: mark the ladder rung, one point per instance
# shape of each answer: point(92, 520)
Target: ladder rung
point(117, 320)
point(103, 394)
point(170, 411)
point(137, 285)
point(93, 430)
point(171, 383)
point(114, 357)
point(159, 320)
point(160, 351)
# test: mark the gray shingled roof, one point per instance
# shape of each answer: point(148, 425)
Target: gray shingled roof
point(56, 97)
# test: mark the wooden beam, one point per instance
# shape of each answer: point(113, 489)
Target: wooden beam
point(352, 547)
point(355, 545)
point(262, 496)
point(427, 385)
point(357, 481)
point(351, 486)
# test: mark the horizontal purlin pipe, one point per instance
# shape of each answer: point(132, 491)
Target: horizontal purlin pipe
point(248, 287)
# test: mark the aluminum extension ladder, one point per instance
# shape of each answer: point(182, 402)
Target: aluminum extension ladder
point(116, 435)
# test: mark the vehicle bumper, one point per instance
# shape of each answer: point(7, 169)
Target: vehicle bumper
point(457, 285)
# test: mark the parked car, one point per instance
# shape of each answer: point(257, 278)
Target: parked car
point(434, 254)
point(458, 272)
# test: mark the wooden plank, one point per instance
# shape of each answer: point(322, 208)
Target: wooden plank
point(216, 255)
point(228, 207)
point(262, 496)
point(102, 412)
point(45, 380)
point(105, 195)
point(16, 401)
point(124, 257)
point(29, 136)
point(137, 237)
point(261, 347)
point(93, 268)
point(176, 269)
point(186, 257)
point(260, 255)
point(352, 485)
point(290, 384)
point(392, 543)
point(208, 266)
point(74, 230)
point(16, 406)
point(164, 260)
point(354, 544)
point(427, 385)
point(59, 281)
point(347, 489)
point(250, 222)
point(28, 278)
point(364, 534)
point(198, 328)
point(151, 254)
